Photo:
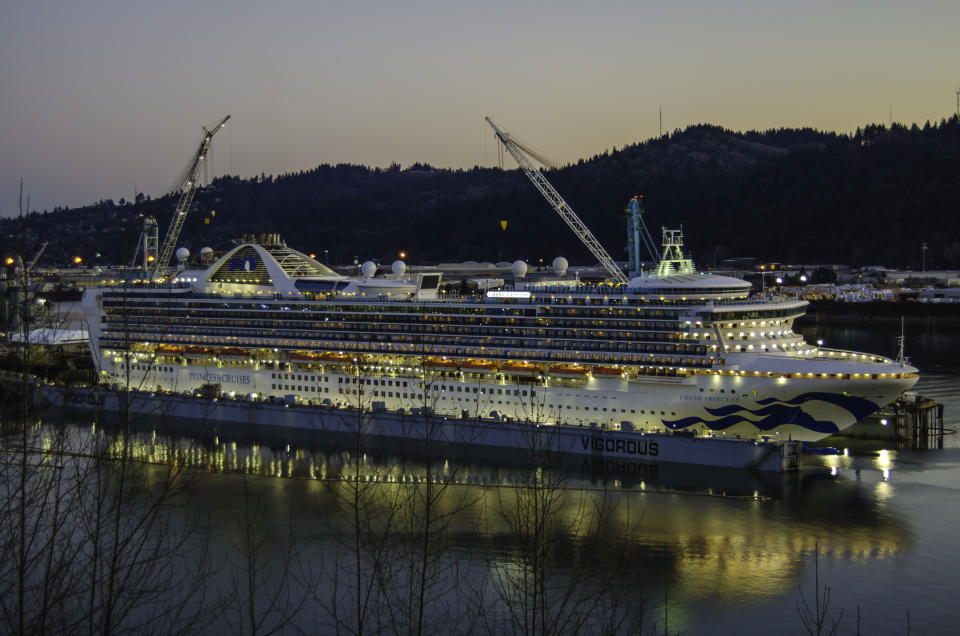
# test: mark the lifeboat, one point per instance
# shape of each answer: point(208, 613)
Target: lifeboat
point(439, 364)
point(520, 368)
point(608, 372)
point(568, 371)
point(233, 353)
point(477, 366)
point(168, 350)
point(197, 352)
point(304, 356)
point(335, 358)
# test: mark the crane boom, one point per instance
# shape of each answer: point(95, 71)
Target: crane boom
point(186, 185)
point(520, 153)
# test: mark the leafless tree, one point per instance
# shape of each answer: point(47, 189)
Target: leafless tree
point(552, 571)
point(91, 539)
point(266, 597)
point(816, 617)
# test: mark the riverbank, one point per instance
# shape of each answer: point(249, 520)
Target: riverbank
point(940, 315)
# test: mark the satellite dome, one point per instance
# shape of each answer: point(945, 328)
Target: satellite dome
point(369, 269)
point(560, 265)
point(399, 267)
point(519, 269)
point(183, 254)
point(206, 250)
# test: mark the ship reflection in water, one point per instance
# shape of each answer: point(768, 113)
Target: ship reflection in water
point(713, 537)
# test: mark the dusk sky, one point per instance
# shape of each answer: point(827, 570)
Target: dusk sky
point(97, 98)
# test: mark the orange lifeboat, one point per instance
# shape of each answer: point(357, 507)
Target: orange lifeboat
point(568, 371)
point(477, 366)
point(234, 353)
point(439, 363)
point(520, 368)
point(608, 372)
point(303, 356)
point(197, 352)
point(335, 358)
point(168, 350)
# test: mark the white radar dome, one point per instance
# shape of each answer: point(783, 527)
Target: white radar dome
point(183, 254)
point(369, 268)
point(399, 267)
point(560, 265)
point(206, 250)
point(519, 269)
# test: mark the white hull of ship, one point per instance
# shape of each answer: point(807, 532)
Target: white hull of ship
point(719, 405)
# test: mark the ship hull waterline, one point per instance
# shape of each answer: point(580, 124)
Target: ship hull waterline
point(330, 424)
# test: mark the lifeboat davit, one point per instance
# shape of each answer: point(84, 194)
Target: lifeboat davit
point(608, 372)
point(233, 353)
point(197, 352)
point(439, 363)
point(520, 368)
point(568, 371)
point(477, 366)
point(335, 358)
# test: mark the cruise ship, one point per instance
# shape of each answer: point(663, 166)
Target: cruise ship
point(672, 350)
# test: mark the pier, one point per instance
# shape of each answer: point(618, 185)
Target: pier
point(912, 421)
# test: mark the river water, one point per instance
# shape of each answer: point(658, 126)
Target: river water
point(703, 552)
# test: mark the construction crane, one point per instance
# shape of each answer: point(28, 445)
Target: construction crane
point(523, 155)
point(638, 233)
point(27, 268)
point(146, 246)
point(186, 185)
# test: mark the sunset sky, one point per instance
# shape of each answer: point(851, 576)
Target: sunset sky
point(99, 98)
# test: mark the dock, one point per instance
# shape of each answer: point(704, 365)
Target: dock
point(913, 421)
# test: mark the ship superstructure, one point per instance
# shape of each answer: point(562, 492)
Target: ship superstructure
point(672, 350)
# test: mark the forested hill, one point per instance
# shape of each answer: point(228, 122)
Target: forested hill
point(783, 195)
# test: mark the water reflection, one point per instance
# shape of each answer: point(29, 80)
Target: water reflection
point(711, 536)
